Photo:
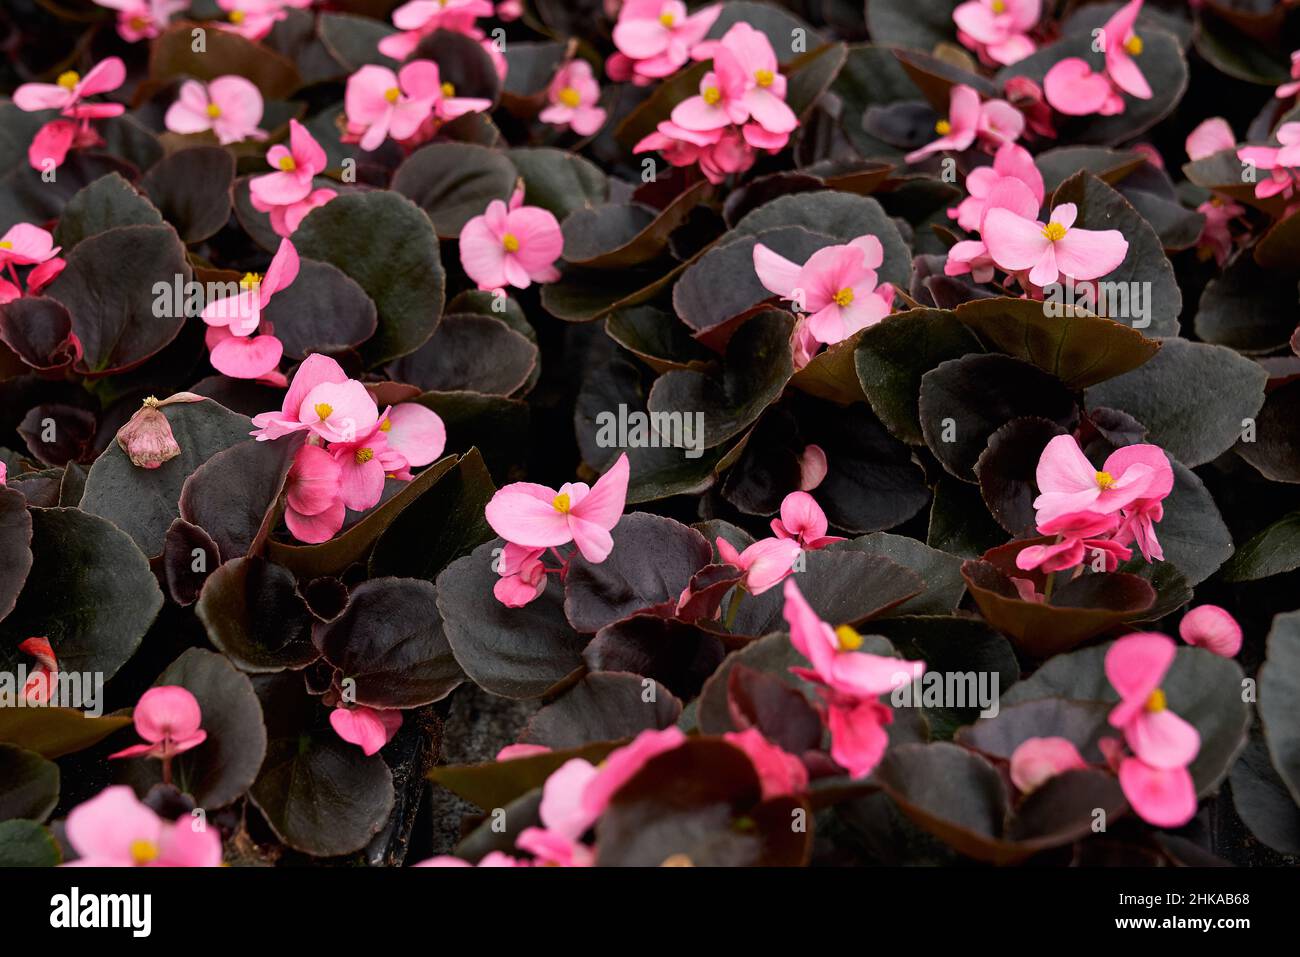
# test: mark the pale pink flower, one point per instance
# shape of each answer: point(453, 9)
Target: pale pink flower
point(523, 576)
point(252, 19)
point(1011, 161)
point(1279, 161)
point(535, 516)
point(655, 38)
point(564, 816)
point(1052, 249)
point(836, 286)
point(1138, 518)
point(574, 96)
point(314, 509)
point(68, 94)
point(1212, 628)
point(242, 313)
point(1068, 482)
point(419, 18)
point(1037, 760)
point(368, 728)
point(114, 829)
point(720, 102)
point(764, 563)
point(803, 520)
point(991, 123)
point(294, 165)
point(314, 370)
point(337, 411)
point(168, 717)
point(996, 29)
point(1210, 136)
point(764, 93)
point(143, 19)
point(622, 764)
point(1122, 45)
point(1073, 88)
point(380, 103)
point(719, 153)
point(513, 245)
point(1135, 666)
point(230, 107)
point(812, 467)
point(26, 245)
point(363, 464)
point(512, 752)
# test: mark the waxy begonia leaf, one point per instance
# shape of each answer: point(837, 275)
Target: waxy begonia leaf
point(15, 547)
point(107, 202)
point(323, 310)
point(192, 190)
point(454, 182)
point(39, 330)
point(31, 785)
point(1273, 551)
point(603, 706)
point(471, 354)
point(255, 615)
point(354, 40)
point(673, 653)
point(27, 844)
point(1239, 307)
point(1261, 797)
point(1082, 723)
point(1275, 449)
point(224, 52)
point(1279, 682)
point(940, 571)
point(559, 181)
point(232, 495)
point(1007, 470)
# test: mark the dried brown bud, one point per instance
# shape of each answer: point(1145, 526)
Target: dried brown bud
point(147, 438)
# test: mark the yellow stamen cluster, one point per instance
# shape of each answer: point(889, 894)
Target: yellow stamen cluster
point(848, 638)
point(1105, 480)
point(764, 77)
point(570, 97)
point(236, 17)
point(449, 89)
point(1156, 702)
point(386, 425)
point(144, 852)
point(1133, 45)
point(943, 127)
point(844, 297)
point(711, 95)
point(251, 280)
point(561, 503)
point(6, 244)
point(999, 6)
point(69, 80)
point(364, 455)
point(288, 164)
point(510, 242)
point(392, 94)
point(214, 111)
point(668, 20)
point(323, 410)
point(1054, 232)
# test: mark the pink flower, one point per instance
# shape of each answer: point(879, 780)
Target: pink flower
point(1010, 162)
point(995, 29)
point(338, 411)
point(1165, 797)
point(295, 166)
point(490, 859)
point(837, 286)
point(363, 463)
point(380, 103)
point(1122, 45)
point(1216, 237)
point(242, 313)
point(368, 728)
point(1138, 518)
point(511, 246)
point(720, 102)
point(779, 772)
point(1077, 533)
point(229, 106)
point(67, 94)
point(513, 752)
point(836, 661)
point(415, 433)
point(314, 509)
point(143, 19)
point(655, 38)
point(1072, 88)
point(574, 96)
point(803, 520)
point(1068, 482)
point(622, 764)
point(523, 576)
point(1135, 666)
point(314, 370)
point(812, 467)
point(764, 93)
point(995, 122)
point(1212, 628)
point(26, 245)
point(168, 717)
point(1004, 192)
point(39, 686)
point(719, 153)
point(419, 18)
point(1210, 136)
point(1290, 89)
point(114, 829)
point(1037, 760)
point(1050, 250)
point(252, 19)
point(765, 563)
point(1027, 97)
point(1280, 161)
point(565, 818)
point(535, 516)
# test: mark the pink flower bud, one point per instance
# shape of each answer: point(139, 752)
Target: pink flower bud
point(1212, 628)
point(147, 438)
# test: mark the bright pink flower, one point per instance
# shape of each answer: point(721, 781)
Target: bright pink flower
point(1052, 249)
point(1068, 482)
point(574, 96)
point(779, 772)
point(655, 38)
point(622, 764)
point(511, 246)
point(26, 245)
point(1212, 628)
point(1210, 136)
point(380, 103)
point(1037, 760)
point(512, 752)
point(858, 735)
point(523, 576)
point(1280, 161)
point(419, 18)
point(368, 728)
point(1135, 666)
point(244, 357)
point(252, 19)
point(1010, 162)
point(285, 220)
point(68, 93)
point(295, 166)
point(1138, 518)
point(1122, 45)
point(836, 286)
point(1165, 797)
point(969, 257)
point(143, 19)
point(168, 717)
point(114, 829)
point(812, 467)
point(363, 464)
point(1216, 237)
point(995, 29)
point(836, 661)
point(315, 369)
point(39, 686)
point(720, 102)
point(314, 509)
point(1290, 89)
point(242, 313)
point(539, 517)
point(994, 122)
point(229, 106)
point(764, 563)
point(1078, 534)
point(1072, 88)
point(719, 153)
point(803, 520)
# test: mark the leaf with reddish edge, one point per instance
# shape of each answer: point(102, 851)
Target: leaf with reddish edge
point(1007, 470)
point(39, 330)
point(233, 496)
point(675, 654)
point(189, 556)
point(780, 712)
point(255, 615)
point(713, 816)
point(603, 706)
point(469, 353)
point(1081, 609)
point(1082, 723)
point(454, 182)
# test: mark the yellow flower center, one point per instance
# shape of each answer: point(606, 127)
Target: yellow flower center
point(943, 127)
point(711, 95)
point(236, 17)
point(849, 640)
point(364, 455)
point(144, 852)
point(251, 280)
point(999, 6)
point(6, 244)
point(392, 94)
point(69, 80)
point(386, 426)
point(214, 111)
point(323, 410)
point(449, 89)
point(561, 503)
point(570, 97)
point(844, 297)
point(667, 19)
point(1105, 480)
point(1156, 702)
point(287, 164)
point(1133, 45)
point(764, 77)
point(1054, 231)
point(510, 242)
